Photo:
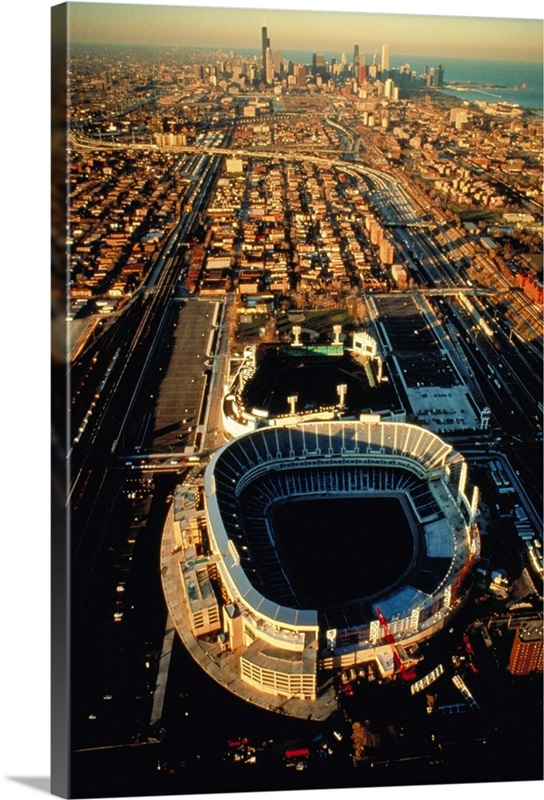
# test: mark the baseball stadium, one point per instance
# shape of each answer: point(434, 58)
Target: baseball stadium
point(277, 383)
point(334, 543)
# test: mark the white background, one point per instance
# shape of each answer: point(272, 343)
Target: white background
point(24, 365)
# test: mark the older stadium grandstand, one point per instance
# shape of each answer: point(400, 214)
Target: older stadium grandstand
point(283, 383)
point(287, 642)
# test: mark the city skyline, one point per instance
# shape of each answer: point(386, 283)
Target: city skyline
point(306, 30)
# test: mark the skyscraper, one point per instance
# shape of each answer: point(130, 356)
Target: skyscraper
point(356, 58)
point(300, 74)
point(389, 87)
point(318, 64)
point(265, 45)
point(269, 67)
point(385, 58)
point(277, 63)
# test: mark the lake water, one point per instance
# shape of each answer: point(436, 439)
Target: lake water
point(504, 74)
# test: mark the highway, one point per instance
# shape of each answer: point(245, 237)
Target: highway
point(509, 374)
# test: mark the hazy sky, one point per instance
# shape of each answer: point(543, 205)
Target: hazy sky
point(238, 26)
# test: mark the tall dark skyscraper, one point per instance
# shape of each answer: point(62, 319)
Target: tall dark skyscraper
point(356, 58)
point(318, 64)
point(265, 45)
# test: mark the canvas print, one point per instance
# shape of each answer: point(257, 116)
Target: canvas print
point(297, 407)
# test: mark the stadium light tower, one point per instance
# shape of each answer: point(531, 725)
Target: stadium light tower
point(292, 400)
point(341, 391)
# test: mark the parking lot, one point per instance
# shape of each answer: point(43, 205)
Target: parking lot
point(436, 395)
point(179, 402)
